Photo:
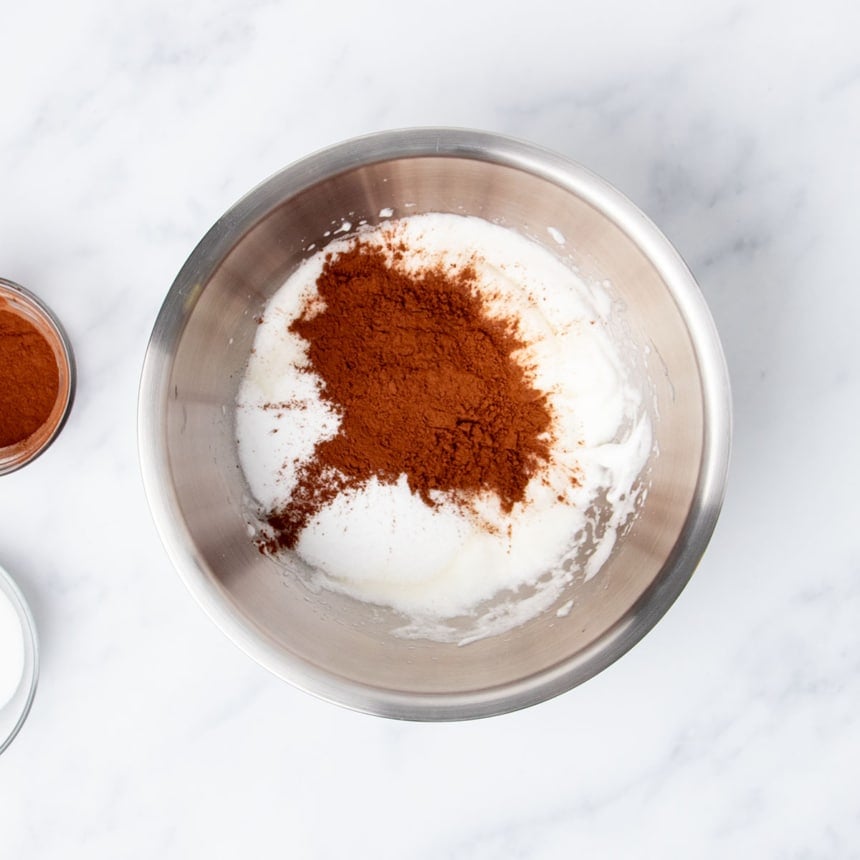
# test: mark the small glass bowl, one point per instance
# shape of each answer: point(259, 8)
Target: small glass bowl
point(15, 711)
point(16, 299)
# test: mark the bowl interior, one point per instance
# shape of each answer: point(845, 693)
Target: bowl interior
point(335, 646)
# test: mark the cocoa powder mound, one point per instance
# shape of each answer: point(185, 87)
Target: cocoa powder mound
point(426, 383)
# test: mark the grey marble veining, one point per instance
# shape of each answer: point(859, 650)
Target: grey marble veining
point(732, 729)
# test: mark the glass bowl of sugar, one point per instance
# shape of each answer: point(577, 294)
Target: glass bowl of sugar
point(19, 660)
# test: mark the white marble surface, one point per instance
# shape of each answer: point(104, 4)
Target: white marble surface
point(732, 729)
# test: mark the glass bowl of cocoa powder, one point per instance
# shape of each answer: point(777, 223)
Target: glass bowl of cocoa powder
point(435, 424)
point(38, 376)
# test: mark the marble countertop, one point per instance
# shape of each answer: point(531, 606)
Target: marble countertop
point(732, 729)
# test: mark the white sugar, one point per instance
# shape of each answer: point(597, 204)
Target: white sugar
point(11, 650)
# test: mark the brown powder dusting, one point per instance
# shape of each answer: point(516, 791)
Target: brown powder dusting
point(29, 379)
point(426, 384)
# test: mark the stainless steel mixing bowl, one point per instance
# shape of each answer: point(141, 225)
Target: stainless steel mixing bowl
point(336, 647)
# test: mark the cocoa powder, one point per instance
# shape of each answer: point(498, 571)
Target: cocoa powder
point(426, 383)
point(29, 379)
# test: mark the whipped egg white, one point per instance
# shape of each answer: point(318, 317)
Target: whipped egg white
point(485, 569)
